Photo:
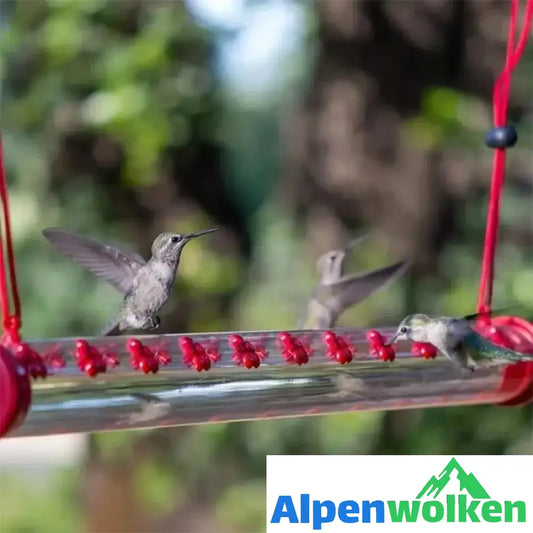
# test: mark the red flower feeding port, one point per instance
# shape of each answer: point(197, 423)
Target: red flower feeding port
point(79, 385)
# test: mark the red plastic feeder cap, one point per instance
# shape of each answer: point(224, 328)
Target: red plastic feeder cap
point(15, 392)
point(515, 333)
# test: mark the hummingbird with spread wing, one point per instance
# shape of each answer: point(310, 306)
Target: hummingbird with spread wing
point(455, 338)
point(336, 292)
point(146, 285)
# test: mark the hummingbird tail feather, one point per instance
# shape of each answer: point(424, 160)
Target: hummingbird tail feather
point(511, 355)
point(520, 356)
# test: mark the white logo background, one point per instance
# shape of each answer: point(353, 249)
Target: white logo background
point(346, 477)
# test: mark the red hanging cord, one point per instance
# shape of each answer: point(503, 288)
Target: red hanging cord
point(513, 332)
point(15, 389)
point(500, 107)
point(11, 321)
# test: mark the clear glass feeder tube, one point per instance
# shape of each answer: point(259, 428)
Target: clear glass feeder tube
point(69, 401)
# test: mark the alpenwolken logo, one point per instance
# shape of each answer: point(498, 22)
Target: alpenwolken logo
point(456, 508)
point(453, 498)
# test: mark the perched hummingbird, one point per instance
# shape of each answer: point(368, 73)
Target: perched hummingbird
point(146, 285)
point(456, 339)
point(335, 292)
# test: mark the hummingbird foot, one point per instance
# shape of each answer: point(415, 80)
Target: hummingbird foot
point(154, 322)
point(466, 371)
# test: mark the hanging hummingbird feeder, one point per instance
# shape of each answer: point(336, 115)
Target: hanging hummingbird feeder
point(108, 383)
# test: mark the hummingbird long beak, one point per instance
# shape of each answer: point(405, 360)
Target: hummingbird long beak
point(393, 339)
point(189, 236)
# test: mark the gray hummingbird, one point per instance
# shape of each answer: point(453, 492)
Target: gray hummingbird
point(455, 338)
point(335, 292)
point(146, 285)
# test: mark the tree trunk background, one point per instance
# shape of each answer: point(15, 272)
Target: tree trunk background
point(353, 158)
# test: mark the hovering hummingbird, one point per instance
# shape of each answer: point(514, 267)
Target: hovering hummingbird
point(146, 285)
point(335, 292)
point(456, 339)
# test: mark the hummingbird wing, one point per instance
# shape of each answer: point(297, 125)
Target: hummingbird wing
point(126, 251)
point(116, 265)
point(491, 313)
point(352, 289)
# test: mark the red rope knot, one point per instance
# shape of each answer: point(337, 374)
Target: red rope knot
point(145, 359)
point(338, 348)
point(93, 361)
point(378, 347)
point(11, 334)
point(196, 356)
point(292, 349)
point(32, 361)
point(245, 353)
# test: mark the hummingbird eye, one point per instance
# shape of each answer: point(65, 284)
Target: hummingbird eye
point(174, 239)
point(403, 329)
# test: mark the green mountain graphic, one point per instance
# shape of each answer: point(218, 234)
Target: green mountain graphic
point(467, 482)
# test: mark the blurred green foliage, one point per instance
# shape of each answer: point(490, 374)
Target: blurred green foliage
point(31, 503)
point(135, 76)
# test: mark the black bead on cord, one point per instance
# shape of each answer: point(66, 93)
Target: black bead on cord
point(501, 137)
